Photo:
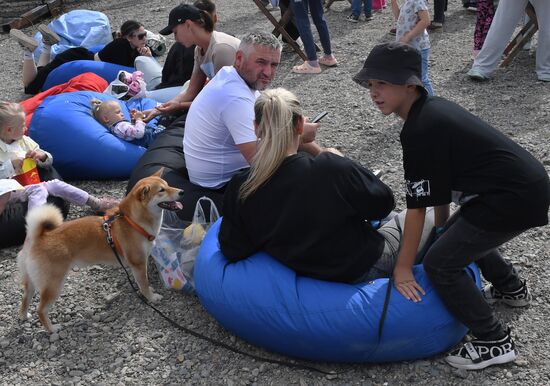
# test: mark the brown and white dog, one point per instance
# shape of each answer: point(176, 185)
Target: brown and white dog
point(53, 247)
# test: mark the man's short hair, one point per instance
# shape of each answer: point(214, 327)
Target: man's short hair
point(259, 38)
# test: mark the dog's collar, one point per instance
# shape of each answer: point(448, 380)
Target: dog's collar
point(111, 239)
point(137, 227)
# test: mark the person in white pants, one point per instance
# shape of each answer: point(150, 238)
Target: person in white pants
point(507, 16)
point(152, 73)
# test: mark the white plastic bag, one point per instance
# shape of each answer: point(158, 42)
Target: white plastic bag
point(156, 43)
point(124, 91)
point(177, 245)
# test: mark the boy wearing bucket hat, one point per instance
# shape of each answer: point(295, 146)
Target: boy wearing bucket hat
point(451, 155)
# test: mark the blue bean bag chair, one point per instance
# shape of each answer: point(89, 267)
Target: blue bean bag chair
point(78, 28)
point(81, 147)
point(267, 304)
point(69, 70)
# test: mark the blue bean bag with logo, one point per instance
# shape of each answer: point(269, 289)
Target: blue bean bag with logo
point(69, 70)
point(269, 305)
point(82, 148)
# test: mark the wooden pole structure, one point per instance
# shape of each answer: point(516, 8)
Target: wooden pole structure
point(49, 8)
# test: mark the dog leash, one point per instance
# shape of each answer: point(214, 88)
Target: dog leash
point(115, 247)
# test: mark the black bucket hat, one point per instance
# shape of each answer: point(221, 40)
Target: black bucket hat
point(395, 63)
point(179, 15)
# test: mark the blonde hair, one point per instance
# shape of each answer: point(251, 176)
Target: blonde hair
point(99, 107)
point(9, 112)
point(277, 113)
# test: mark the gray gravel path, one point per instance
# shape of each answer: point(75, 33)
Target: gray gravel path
point(109, 337)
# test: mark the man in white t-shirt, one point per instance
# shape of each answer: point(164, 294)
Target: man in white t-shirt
point(219, 135)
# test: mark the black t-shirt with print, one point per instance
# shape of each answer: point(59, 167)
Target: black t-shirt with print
point(447, 150)
point(310, 216)
point(119, 51)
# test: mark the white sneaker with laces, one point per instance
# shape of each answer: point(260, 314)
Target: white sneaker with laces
point(479, 354)
point(475, 74)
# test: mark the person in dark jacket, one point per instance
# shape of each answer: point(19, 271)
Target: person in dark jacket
point(309, 212)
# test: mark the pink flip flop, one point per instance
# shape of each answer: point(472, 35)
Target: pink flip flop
point(306, 68)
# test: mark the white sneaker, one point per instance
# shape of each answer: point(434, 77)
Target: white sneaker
point(477, 75)
point(478, 354)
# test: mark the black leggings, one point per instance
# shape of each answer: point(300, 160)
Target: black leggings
point(461, 244)
point(70, 55)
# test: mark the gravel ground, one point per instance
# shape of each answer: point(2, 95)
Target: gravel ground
point(109, 337)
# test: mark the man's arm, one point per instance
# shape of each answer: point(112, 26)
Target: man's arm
point(402, 273)
point(248, 150)
point(307, 139)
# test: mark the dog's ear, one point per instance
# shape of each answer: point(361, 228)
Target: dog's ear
point(159, 172)
point(144, 192)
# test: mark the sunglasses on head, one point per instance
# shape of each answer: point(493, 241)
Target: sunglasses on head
point(140, 36)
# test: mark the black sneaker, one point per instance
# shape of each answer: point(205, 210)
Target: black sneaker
point(368, 17)
point(478, 354)
point(518, 298)
point(353, 18)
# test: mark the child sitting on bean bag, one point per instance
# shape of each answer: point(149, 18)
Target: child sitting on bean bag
point(14, 148)
point(108, 113)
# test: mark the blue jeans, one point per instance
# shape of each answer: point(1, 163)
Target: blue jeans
point(300, 7)
point(149, 135)
point(356, 7)
point(461, 244)
point(425, 76)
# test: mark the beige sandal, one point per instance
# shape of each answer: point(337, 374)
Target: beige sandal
point(329, 61)
point(306, 68)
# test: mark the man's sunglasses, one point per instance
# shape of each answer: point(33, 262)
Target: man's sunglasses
point(140, 36)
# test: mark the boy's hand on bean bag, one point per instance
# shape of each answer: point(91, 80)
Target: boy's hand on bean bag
point(406, 284)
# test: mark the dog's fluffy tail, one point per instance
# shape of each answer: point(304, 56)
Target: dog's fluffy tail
point(41, 219)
